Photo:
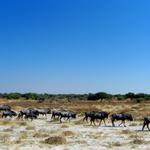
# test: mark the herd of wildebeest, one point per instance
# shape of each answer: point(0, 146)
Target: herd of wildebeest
point(93, 116)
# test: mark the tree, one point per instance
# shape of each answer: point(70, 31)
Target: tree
point(13, 96)
point(130, 95)
point(99, 95)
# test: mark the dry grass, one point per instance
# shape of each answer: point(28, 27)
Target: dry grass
point(40, 135)
point(65, 126)
point(77, 122)
point(55, 140)
point(68, 133)
point(125, 132)
point(114, 144)
point(133, 124)
point(4, 138)
point(8, 129)
point(30, 128)
point(23, 135)
point(138, 140)
point(12, 123)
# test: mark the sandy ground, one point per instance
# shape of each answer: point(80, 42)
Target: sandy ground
point(24, 135)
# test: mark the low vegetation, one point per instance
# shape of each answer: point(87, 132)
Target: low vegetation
point(55, 140)
point(69, 97)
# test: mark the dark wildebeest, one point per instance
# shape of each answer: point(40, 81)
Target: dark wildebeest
point(4, 107)
point(9, 113)
point(30, 115)
point(44, 111)
point(99, 116)
point(88, 115)
point(122, 117)
point(67, 115)
point(146, 122)
point(28, 112)
point(56, 112)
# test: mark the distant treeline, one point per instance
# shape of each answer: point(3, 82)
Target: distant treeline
point(96, 96)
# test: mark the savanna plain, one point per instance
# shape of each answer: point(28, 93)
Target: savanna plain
point(46, 133)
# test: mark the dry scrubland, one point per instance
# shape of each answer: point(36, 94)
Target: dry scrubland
point(45, 133)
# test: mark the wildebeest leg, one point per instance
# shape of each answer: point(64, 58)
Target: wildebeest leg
point(60, 119)
point(113, 124)
point(104, 122)
point(144, 124)
point(100, 122)
point(121, 123)
point(92, 121)
point(148, 126)
point(124, 123)
point(52, 116)
point(85, 118)
point(68, 118)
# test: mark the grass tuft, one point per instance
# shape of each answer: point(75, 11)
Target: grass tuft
point(55, 140)
point(68, 133)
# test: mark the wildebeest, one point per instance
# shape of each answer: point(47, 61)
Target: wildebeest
point(99, 116)
point(9, 113)
point(88, 115)
point(68, 115)
point(4, 107)
point(28, 113)
point(122, 117)
point(31, 116)
point(56, 112)
point(44, 111)
point(146, 122)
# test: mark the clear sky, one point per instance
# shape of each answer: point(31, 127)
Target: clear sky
point(75, 46)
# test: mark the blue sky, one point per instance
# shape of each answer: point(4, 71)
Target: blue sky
point(79, 46)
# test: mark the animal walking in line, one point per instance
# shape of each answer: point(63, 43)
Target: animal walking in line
point(88, 115)
point(4, 107)
point(121, 116)
point(67, 115)
point(146, 122)
point(28, 113)
point(101, 116)
point(44, 111)
point(56, 112)
point(9, 113)
point(93, 116)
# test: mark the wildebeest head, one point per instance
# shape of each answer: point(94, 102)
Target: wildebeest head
point(13, 113)
point(73, 115)
point(130, 118)
point(20, 114)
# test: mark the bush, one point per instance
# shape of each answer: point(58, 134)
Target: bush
point(13, 96)
point(100, 95)
point(55, 140)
